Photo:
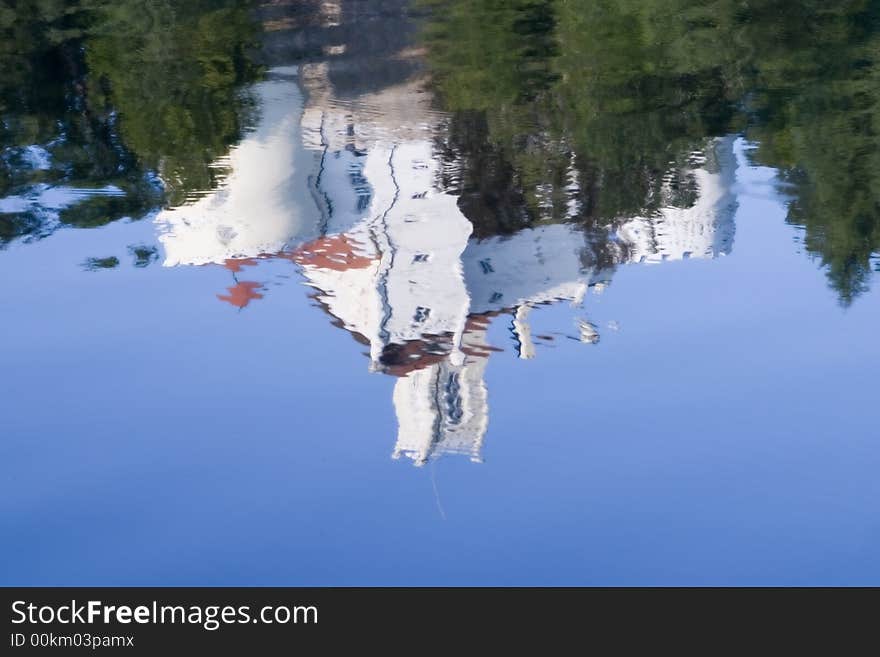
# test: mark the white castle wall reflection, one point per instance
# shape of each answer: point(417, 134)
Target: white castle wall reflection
point(349, 191)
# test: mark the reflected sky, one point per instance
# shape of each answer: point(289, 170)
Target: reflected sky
point(607, 371)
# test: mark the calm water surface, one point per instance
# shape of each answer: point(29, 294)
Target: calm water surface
point(439, 292)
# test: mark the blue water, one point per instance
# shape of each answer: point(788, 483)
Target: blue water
point(725, 434)
point(722, 430)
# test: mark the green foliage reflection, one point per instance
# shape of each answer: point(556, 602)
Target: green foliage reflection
point(626, 90)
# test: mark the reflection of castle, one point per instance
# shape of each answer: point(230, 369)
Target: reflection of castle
point(348, 189)
point(404, 275)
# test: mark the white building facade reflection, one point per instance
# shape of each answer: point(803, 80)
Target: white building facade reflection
point(349, 190)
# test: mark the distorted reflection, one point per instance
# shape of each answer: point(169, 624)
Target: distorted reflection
point(407, 277)
point(352, 189)
point(110, 109)
point(258, 205)
point(432, 167)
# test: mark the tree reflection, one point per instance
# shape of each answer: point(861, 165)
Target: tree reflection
point(141, 97)
point(623, 93)
point(593, 111)
point(175, 71)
